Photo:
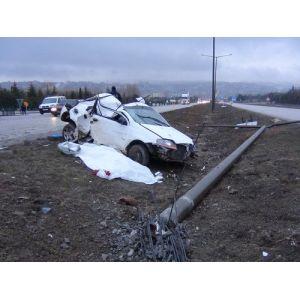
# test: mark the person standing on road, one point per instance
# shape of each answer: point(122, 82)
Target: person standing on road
point(26, 104)
point(23, 109)
point(115, 93)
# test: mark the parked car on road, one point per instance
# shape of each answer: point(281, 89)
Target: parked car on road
point(135, 129)
point(52, 105)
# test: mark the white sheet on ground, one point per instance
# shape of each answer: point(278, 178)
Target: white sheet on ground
point(112, 164)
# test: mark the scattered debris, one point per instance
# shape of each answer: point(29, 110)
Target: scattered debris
point(247, 123)
point(69, 148)
point(23, 198)
point(265, 254)
point(130, 253)
point(104, 256)
point(107, 173)
point(128, 201)
point(158, 242)
point(55, 136)
point(65, 244)
point(104, 224)
point(94, 172)
point(45, 210)
point(232, 191)
point(276, 120)
point(19, 213)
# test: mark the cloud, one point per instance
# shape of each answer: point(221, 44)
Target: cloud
point(140, 59)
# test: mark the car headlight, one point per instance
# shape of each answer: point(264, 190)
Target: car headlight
point(53, 109)
point(166, 144)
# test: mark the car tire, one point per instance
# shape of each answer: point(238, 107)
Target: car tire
point(139, 153)
point(41, 112)
point(69, 133)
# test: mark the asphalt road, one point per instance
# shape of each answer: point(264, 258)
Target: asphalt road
point(16, 129)
point(288, 114)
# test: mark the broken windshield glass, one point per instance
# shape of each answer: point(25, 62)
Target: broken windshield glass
point(146, 115)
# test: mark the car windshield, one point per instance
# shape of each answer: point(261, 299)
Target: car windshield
point(72, 101)
point(49, 100)
point(146, 115)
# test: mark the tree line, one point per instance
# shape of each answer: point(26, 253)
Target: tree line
point(290, 97)
point(8, 97)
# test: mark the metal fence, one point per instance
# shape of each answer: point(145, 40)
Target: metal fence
point(8, 112)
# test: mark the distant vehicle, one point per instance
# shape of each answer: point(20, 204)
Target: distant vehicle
point(135, 129)
point(52, 105)
point(185, 101)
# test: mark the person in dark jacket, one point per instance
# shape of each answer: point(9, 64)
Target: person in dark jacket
point(115, 93)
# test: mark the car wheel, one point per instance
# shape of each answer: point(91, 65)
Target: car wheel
point(139, 153)
point(69, 133)
point(41, 112)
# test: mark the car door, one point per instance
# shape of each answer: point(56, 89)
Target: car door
point(109, 131)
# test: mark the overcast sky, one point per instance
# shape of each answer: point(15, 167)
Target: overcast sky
point(149, 59)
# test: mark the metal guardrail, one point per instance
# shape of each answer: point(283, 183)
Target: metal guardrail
point(9, 112)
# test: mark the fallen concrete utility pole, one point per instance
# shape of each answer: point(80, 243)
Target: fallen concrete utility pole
point(186, 203)
point(232, 126)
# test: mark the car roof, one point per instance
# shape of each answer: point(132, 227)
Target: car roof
point(54, 97)
point(136, 104)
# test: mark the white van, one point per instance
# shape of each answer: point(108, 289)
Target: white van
point(52, 104)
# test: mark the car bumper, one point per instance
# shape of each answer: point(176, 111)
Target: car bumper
point(182, 152)
point(44, 110)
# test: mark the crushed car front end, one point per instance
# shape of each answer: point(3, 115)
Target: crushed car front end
point(169, 151)
point(163, 141)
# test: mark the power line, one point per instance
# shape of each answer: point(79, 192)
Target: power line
point(214, 74)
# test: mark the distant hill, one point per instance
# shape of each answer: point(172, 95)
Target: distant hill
point(169, 89)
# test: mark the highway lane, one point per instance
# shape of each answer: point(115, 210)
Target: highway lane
point(17, 129)
point(286, 114)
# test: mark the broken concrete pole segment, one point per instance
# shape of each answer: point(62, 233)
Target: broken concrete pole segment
point(186, 203)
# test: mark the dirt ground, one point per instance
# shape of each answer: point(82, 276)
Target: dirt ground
point(52, 208)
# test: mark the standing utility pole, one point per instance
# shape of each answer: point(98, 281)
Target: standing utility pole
point(213, 90)
point(214, 74)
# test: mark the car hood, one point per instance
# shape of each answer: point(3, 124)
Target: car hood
point(47, 104)
point(169, 133)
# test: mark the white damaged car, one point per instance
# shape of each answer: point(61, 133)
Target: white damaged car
point(135, 129)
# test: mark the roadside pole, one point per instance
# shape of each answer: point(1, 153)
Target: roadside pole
point(213, 90)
